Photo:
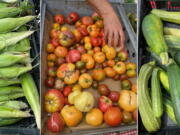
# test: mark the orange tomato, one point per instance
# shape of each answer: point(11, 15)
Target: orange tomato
point(94, 117)
point(128, 100)
point(100, 23)
point(120, 67)
point(71, 115)
point(89, 60)
point(61, 51)
point(96, 49)
point(98, 74)
point(50, 48)
point(93, 30)
point(77, 35)
point(51, 57)
point(90, 52)
point(130, 66)
point(56, 26)
point(64, 28)
point(50, 64)
point(131, 73)
point(110, 72)
point(85, 80)
point(78, 24)
point(99, 57)
point(109, 51)
point(110, 63)
point(68, 73)
point(134, 88)
point(87, 39)
point(72, 78)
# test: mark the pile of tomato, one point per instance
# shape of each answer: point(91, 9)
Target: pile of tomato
point(79, 58)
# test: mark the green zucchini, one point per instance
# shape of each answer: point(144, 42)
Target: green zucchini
point(173, 72)
point(156, 94)
point(172, 31)
point(152, 28)
point(150, 122)
point(169, 16)
point(173, 42)
point(168, 107)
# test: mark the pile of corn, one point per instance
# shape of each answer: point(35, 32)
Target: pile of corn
point(15, 63)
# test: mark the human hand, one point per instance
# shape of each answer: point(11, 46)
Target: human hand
point(114, 34)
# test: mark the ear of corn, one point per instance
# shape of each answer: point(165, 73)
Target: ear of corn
point(7, 82)
point(3, 5)
point(10, 58)
point(8, 121)
point(10, 90)
point(11, 96)
point(9, 1)
point(9, 12)
point(7, 112)
point(12, 38)
point(14, 71)
point(22, 46)
point(31, 94)
point(14, 104)
point(10, 24)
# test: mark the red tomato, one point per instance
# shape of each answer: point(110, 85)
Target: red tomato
point(114, 96)
point(55, 42)
point(59, 19)
point(72, 18)
point(87, 20)
point(56, 123)
point(104, 103)
point(96, 41)
point(49, 82)
point(83, 31)
point(113, 116)
point(67, 90)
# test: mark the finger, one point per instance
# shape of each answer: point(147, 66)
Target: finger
point(106, 35)
point(110, 38)
point(122, 40)
point(116, 38)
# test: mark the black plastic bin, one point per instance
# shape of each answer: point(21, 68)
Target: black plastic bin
point(27, 126)
point(167, 126)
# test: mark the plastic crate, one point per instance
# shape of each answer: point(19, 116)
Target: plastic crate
point(50, 8)
point(167, 126)
point(27, 126)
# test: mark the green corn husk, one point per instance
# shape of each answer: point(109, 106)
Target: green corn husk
point(10, 58)
point(32, 96)
point(14, 104)
point(10, 90)
point(14, 71)
point(10, 24)
point(8, 121)
point(7, 112)
point(7, 82)
point(12, 38)
point(22, 46)
point(11, 96)
point(9, 1)
point(3, 5)
point(9, 12)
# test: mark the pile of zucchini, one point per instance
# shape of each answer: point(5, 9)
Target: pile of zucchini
point(159, 80)
point(15, 63)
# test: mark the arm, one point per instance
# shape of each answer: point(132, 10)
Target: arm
point(114, 34)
